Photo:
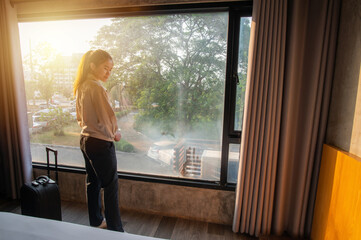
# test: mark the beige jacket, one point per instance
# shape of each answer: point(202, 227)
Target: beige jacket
point(94, 112)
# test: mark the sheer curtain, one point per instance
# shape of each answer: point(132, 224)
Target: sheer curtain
point(15, 156)
point(290, 74)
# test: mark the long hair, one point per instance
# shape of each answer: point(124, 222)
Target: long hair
point(97, 57)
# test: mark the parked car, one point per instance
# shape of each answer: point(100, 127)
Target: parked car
point(47, 105)
point(39, 123)
point(162, 151)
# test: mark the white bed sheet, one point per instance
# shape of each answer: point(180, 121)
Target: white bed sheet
point(18, 227)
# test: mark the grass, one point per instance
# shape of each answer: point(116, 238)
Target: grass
point(71, 136)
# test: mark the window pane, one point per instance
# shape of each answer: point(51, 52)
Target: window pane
point(244, 35)
point(167, 89)
point(233, 163)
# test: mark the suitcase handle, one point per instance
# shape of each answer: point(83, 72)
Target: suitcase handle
point(48, 149)
point(42, 180)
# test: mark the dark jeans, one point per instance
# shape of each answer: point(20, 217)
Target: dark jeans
point(101, 168)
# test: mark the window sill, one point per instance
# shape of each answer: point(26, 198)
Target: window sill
point(149, 178)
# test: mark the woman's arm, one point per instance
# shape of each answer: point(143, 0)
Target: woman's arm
point(106, 120)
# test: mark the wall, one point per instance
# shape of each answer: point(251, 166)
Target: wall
point(344, 124)
point(207, 205)
point(337, 213)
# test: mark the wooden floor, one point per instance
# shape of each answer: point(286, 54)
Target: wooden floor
point(145, 224)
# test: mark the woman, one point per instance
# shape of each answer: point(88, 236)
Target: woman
point(98, 131)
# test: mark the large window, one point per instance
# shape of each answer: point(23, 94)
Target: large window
point(167, 88)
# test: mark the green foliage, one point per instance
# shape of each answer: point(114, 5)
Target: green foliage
point(66, 90)
point(30, 87)
point(124, 146)
point(172, 67)
point(242, 70)
point(57, 119)
point(120, 114)
point(43, 62)
point(45, 86)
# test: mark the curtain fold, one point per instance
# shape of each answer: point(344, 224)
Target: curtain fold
point(291, 60)
point(254, 193)
point(308, 79)
point(15, 156)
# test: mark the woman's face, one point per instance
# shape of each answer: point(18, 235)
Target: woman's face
point(102, 71)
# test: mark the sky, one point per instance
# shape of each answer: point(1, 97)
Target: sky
point(66, 36)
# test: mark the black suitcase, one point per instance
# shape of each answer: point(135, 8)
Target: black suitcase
point(41, 197)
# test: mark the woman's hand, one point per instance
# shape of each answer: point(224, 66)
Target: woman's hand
point(117, 136)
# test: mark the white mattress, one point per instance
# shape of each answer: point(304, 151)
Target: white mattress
point(19, 227)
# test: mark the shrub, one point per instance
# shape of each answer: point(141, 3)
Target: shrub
point(124, 146)
point(56, 119)
point(120, 114)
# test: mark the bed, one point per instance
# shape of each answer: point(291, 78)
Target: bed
point(20, 227)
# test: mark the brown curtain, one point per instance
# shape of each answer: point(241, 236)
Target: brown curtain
point(15, 157)
point(291, 62)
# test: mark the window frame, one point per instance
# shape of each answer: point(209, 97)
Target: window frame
point(236, 10)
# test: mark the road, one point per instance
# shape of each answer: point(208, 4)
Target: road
point(137, 162)
point(127, 162)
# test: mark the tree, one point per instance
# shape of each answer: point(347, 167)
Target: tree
point(42, 63)
point(57, 119)
point(30, 88)
point(173, 67)
point(245, 28)
point(45, 85)
point(66, 90)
